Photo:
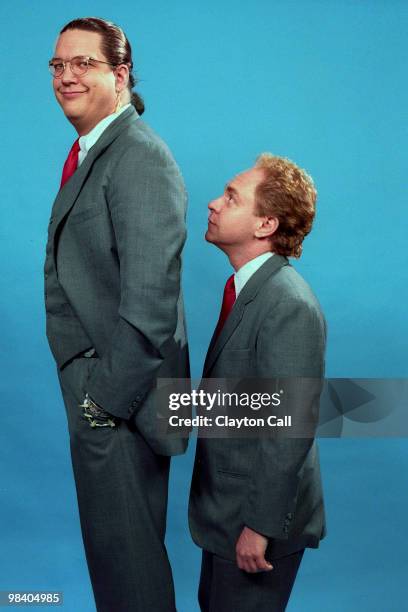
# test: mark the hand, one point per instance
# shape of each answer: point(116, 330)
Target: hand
point(250, 550)
point(96, 415)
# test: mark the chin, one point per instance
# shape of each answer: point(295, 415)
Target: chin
point(208, 236)
point(69, 109)
point(72, 112)
point(74, 118)
point(212, 240)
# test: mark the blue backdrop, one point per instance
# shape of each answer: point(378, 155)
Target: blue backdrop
point(322, 82)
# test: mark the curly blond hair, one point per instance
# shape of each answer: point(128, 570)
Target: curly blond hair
point(288, 193)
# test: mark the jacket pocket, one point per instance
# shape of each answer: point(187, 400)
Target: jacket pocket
point(86, 213)
point(243, 353)
point(230, 474)
point(234, 457)
point(234, 363)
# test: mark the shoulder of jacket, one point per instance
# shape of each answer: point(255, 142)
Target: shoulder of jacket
point(139, 139)
point(288, 287)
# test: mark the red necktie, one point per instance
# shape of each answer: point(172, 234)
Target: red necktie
point(227, 304)
point(71, 163)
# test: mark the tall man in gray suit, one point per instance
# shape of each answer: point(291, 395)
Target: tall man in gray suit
point(115, 317)
point(256, 503)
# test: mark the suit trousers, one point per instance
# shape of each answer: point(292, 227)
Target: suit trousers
point(226, 588)
point(121, 489)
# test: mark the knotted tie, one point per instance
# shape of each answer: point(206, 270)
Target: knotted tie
point(227, 304)
point(71, 163)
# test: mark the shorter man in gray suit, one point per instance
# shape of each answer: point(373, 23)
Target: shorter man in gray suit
point(256, 503)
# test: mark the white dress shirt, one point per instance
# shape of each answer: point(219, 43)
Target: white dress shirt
point(243, 275)
point(88, 140)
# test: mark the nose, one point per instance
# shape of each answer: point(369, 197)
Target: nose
point(215, 205)
point(68, 76)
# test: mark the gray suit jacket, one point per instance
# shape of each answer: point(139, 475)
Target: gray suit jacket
point(112, 272)
point(275, 329)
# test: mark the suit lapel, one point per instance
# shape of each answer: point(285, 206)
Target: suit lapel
point(68, 195)
point(248, 293)
point(218, 343)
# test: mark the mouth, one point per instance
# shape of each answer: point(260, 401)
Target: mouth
point(71, 95)
point(210, 222)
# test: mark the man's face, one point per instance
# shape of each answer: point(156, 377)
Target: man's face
point(232, 222)
point(85, 99)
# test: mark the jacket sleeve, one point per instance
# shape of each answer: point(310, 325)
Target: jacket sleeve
point(147, 200)
point(290, 350)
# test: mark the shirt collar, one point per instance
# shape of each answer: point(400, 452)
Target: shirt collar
point(88, 140)
point(243, 275)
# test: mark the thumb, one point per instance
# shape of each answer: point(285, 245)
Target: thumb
point(264, 565)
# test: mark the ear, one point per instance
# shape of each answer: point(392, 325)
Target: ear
point(266, 227)
point(122, 77)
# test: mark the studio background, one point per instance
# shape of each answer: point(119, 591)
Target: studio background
point(321, 82)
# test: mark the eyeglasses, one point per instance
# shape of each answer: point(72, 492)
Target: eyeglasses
point(79, 65)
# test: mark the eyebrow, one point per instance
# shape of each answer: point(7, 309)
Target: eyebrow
point(230, 189)
point(80, 55)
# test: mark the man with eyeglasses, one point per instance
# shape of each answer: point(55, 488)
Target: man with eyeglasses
point(115, 319)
